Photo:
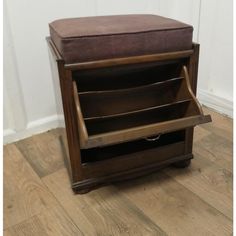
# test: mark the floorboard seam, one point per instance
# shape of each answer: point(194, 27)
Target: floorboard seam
point(58, 202)
point(199, 197)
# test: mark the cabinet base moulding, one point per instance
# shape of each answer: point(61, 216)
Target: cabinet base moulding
point(87, 185)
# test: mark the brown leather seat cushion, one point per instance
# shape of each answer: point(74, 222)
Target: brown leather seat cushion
point(102, 37)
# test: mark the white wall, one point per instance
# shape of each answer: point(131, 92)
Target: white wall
point(216, 61)
point(29, 103)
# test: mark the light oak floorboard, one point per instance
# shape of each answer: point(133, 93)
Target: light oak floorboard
point(43, 152)
point(210, 182)
point(174, 208)
point(101, 212)
point(200, 133)
point(51, 222)
point(29, 207)
point(24, 194)
point(7, 233)
point(216, 149)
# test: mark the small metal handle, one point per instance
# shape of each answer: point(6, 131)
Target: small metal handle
point(153, 139)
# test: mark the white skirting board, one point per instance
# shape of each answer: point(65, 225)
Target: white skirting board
point(221, 105)
point(217, 103)
point(32, 128)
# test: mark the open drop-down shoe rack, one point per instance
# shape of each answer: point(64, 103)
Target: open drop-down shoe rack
point(125, 111)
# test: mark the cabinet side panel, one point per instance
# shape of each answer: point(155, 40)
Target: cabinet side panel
point(193, 73)
point(66, 86)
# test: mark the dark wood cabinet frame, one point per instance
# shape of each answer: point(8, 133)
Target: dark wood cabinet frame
point(98, 158)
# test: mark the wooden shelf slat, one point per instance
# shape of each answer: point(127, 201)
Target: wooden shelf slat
point(94, 119)
point(115, 91)
point(102, 104)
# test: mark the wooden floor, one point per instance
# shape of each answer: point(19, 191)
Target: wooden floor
point(193, 201)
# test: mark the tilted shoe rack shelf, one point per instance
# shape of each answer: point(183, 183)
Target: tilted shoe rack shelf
point(129, 116)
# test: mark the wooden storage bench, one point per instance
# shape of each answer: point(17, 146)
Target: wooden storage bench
point(128, 86)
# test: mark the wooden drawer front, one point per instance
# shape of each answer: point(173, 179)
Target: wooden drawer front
point(132, 160)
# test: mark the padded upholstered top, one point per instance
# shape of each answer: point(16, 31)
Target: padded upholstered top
point(103, 37)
